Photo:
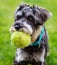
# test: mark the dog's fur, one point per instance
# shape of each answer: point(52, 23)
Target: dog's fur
point(30, 19)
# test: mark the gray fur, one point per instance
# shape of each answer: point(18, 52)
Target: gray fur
point(34, 17)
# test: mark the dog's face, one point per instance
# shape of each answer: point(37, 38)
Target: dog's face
point(30, 20)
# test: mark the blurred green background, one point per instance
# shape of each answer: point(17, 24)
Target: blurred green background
point(7, 9)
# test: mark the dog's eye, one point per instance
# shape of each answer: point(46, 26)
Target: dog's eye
point(30, 18)
point(18, 17)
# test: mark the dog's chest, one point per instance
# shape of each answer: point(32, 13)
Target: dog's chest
point(29, 53)
point(32, 49)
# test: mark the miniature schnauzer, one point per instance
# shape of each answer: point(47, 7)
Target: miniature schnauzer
point(31, 19)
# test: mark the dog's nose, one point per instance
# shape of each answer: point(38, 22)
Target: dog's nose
point(18, 26)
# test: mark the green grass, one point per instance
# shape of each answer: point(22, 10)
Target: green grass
point(7, 9)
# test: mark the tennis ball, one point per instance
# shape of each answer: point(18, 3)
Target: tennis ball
point(20, 39)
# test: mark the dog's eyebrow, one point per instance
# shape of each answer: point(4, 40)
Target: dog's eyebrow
point(27, 9)
point(19, 13)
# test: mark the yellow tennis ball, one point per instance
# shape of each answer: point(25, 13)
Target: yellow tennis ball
point(20, 39)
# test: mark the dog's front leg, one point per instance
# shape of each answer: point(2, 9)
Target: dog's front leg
point(41, 58)
point(41, 63)
point(20, 58)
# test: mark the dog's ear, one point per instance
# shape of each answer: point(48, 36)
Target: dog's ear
point(21, 6)
point(44, 14)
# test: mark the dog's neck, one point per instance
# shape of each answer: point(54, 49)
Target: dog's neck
point(36, 34)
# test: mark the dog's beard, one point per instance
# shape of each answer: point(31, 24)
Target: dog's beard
point(28, 29)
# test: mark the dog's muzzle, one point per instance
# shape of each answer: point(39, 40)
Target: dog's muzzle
point(22, 27)
point(18, 26)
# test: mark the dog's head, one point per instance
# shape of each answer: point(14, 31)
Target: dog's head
point(30, 19)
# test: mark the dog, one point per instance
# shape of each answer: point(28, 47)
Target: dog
point(31, 20)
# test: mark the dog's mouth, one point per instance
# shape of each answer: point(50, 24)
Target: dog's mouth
point(27, 29)
point(22, 29)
